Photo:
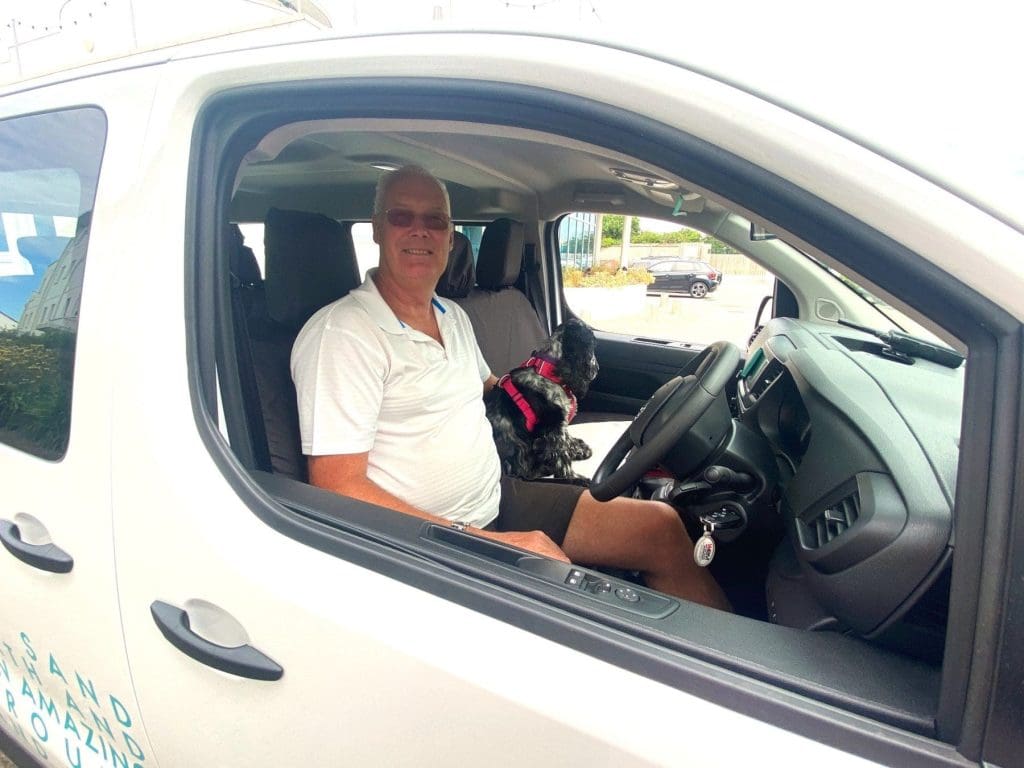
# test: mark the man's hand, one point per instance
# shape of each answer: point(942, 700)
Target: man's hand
point(537, 542)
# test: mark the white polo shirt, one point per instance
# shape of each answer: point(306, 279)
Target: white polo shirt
point(366, 382)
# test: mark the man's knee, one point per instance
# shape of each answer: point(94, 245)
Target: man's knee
point(657, 521)
point(666, 518)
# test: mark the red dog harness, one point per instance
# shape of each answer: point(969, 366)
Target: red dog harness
point(545, 366)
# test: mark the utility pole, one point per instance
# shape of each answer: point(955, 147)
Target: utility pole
point(627, 231)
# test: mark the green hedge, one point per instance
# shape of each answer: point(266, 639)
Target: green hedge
point(35, 390)
point(573, 277)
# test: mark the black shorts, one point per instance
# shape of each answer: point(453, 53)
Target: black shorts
point(539, 505)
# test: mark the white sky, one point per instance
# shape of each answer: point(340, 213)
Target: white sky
point(938, 82)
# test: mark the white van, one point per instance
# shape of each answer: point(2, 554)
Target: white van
point(175, 593)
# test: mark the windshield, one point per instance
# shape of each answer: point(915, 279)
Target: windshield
point(891, 318)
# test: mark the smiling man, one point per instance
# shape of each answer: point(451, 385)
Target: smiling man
point(389, 382)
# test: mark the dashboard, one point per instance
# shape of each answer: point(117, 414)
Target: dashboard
point(867, 447)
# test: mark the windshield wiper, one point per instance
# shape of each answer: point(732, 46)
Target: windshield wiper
point(912, 346)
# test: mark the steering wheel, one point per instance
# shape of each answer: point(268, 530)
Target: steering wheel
point(670, 413)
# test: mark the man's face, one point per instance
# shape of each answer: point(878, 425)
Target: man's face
point(413, 254)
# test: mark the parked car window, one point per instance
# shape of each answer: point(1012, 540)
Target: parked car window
point(693, 300)
point(49, 166)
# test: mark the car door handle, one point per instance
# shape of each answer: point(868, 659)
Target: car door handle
point(243, 660)
point(46, 557)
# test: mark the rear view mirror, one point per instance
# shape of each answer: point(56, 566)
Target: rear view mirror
point(757, 232)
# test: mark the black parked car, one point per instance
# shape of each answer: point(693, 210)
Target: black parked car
point(697, 278)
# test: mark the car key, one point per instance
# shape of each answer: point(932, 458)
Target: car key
point(704, 550)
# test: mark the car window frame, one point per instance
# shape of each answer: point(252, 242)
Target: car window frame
point(983, 326)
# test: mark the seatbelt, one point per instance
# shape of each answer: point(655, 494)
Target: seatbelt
point(531, 283)
point(257, 435)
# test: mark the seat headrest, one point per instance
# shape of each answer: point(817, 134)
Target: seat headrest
point(459, 275)
point(310, 262)
point(501, 254)
point(42, 250)
point(243, 261)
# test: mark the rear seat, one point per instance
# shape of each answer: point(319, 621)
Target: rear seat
point(248, 308)
point(310, 262)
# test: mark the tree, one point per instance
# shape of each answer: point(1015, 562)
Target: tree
point(611, 229)
point(717, 246)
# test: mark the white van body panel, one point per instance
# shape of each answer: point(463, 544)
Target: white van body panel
point(376, 671)
point(68, 688)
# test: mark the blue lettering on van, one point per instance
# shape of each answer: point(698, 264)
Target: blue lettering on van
point(117, 759)
point(27, 691)
point(133, 747)
point(69, 725)
point(72, 705)
point(89, 691)
point(10, 652)
point(102, 724)
point(76, 761)
point(39, 726)
point(28, 646)
point(89, 741)
point(89, 726)
point(32, 671)
point(55, 669)
point(120, 712)
point(49, 707)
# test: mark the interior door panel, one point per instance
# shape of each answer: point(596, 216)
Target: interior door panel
point(632, 368)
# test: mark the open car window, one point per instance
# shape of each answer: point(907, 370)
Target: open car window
point(847, 519)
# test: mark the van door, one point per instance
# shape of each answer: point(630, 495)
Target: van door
point(259, 636)
point(67, 696)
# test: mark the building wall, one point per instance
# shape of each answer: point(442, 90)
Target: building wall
point(729, 263)
point(57, 301)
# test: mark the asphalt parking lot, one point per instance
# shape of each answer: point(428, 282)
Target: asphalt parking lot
point(728, 313)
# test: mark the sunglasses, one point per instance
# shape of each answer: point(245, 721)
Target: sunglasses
point(403, 217)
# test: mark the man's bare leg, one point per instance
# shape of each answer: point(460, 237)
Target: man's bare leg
point(646, 536)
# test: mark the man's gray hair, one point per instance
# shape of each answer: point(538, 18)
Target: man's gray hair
point(389, 178)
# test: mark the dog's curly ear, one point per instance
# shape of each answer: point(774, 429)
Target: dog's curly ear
point(578, 365)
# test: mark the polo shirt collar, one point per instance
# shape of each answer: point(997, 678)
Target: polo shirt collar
point(369, 299)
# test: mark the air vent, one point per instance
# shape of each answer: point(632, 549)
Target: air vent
point(832, 522)
point(766, 378)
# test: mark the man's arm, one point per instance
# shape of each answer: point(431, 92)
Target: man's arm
point(346, 474)
point(489, 383)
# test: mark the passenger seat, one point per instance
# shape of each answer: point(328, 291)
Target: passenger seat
point(506, 325)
